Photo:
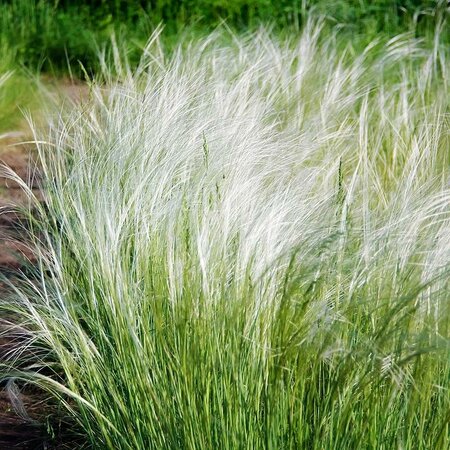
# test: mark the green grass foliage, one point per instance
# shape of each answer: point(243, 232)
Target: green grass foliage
point(65, 37)
point(55, 35)
point(246, 246)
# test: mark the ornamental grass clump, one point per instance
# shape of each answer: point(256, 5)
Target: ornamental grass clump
point(245, 244)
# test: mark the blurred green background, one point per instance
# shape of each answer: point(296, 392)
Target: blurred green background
point(51, 34)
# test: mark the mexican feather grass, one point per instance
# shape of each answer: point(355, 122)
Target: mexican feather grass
point(245, 244)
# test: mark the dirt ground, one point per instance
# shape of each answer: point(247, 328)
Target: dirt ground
point(18, 427)
point(16, 431)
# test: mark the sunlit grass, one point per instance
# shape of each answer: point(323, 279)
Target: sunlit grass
point(247, 246)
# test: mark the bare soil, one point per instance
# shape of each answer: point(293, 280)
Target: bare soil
point(22, 410)
point(14, 250)
point(23, 414)
point(16, 431)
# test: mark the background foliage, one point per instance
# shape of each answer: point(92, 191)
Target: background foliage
point(55, 34)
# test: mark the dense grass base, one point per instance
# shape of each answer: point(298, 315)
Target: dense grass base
point(247, 246)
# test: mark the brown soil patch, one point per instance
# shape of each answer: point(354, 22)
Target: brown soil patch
point(66, 89)
point(26, 431)
point(14, 251)
point(17, 431)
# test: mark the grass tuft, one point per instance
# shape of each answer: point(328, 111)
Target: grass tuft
point(247, 246)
